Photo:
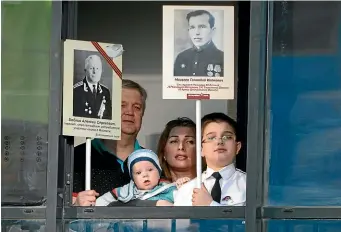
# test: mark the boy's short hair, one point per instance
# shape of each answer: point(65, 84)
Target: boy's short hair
point(219, 117)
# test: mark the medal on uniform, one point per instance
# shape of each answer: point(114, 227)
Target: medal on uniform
point(102, 108)
point(210, 69)
point(183, 65)
point(217, 70)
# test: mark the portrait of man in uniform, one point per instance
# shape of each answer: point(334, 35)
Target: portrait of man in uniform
point(91, 98)
point(201, 58)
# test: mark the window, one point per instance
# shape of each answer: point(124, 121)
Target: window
point(142, 61)
point(289, 101)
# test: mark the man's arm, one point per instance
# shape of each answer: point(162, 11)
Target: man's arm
point(78, 105)
point(177, 64)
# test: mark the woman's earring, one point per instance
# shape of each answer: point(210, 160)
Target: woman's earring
point(164, 158)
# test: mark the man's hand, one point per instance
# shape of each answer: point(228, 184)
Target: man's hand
point(201, 197)
point(86, 198)
point(163, 203)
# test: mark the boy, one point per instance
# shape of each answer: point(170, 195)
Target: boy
point(223, 184)
point(145, 171)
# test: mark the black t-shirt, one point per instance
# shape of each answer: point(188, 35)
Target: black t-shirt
point(106, 171)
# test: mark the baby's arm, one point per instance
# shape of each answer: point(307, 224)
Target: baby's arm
point(105, 199)
point(181, 181)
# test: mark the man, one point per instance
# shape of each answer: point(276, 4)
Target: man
point(203, 59)
point(109, 157)
point(90, 98)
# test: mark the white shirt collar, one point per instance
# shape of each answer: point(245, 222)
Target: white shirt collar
point(91, 86)
point(226, 172)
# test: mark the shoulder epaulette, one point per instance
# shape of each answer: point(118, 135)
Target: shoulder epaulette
point(103, 86)
point(78, 84)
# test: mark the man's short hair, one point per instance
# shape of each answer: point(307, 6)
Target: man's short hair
point(91, 57)
point(211, 19)
point(129, 84)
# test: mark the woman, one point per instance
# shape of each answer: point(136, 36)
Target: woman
point(176, 149)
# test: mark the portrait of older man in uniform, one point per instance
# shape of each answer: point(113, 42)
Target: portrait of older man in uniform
point(203, 59)
point(91, 99)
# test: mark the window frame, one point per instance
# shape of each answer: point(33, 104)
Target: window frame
point(47, 213)
point(256, 214)
point(268, 212)
point(74, 212)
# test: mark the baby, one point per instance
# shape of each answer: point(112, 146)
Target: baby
point(145, 171)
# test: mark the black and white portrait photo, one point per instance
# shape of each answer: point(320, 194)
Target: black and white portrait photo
point(199, 42)
point(198, 52)
point(92, 89)
point(92, 85)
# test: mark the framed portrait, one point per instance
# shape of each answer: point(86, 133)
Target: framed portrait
point(198, 52)
point(92, 89)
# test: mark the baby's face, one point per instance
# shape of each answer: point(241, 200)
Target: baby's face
point(145, 175)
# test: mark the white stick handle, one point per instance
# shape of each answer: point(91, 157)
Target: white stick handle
point(88, 164)
point(198, 139)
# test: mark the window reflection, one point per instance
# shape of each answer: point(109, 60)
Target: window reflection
point(24, 101)
point(304, 105)
point(158, 225)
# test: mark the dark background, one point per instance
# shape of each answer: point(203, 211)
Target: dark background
point(138, 26)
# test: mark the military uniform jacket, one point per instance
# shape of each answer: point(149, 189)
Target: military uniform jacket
point(89, 105)
point(206, 61)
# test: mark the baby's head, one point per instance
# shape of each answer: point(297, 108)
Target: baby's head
point(144, 169)
point(220, 141)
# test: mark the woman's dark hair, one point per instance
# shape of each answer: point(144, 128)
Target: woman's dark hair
point(179, 122)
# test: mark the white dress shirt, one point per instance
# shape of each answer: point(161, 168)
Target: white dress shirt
point(232, 183)
point(91, 86)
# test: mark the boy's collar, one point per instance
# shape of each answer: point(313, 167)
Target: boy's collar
point(226, 172)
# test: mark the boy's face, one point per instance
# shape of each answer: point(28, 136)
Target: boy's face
point(145, 175)
point(219, 146)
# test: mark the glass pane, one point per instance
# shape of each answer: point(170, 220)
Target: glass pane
point(304, 226)
point(305, 110)
point(22, 225)
point(24, 100)
point(157, 225)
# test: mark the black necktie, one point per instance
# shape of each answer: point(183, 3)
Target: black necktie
point(216, 190)
point(94, 90)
